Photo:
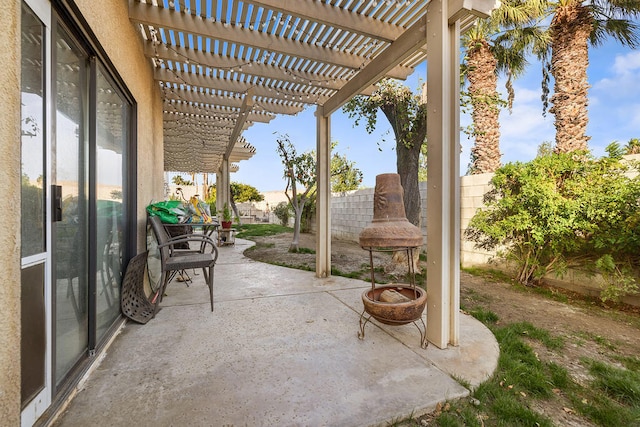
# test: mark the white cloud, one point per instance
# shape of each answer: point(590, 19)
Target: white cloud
point(522, 131)
point(624, 78)
point(634, 118)
point(627, 63)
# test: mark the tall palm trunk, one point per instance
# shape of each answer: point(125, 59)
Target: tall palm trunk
point(483, 83)
point(570, 29)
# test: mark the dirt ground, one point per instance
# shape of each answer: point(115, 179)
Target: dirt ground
point(589, 328)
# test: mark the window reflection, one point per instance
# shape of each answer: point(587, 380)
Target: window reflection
point(71, 257)
point(32, 140)
point(111, 124)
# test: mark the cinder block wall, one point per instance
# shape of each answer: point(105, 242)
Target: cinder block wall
point(353, 211)
point(350, 213)
point(472, 190)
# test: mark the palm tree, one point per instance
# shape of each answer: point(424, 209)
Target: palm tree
point(498, 44)
point(574, 25)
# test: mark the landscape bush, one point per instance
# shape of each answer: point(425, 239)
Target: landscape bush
point(561, 211)
point(282, 211)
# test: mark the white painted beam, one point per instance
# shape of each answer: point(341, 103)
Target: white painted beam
point(454, 184)
point(211, 113)
point(206, 82)
point(148, 14)
point(412, 39)
point(253, 68)
point(461, 9)
point(334, 17)
point(208, 100)
point(439, 81)
point(247, 105)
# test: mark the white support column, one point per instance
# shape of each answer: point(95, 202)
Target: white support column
point(323, 198)
point(223, 186)
point(443, 277)
point(454, 195)
point(219, 202)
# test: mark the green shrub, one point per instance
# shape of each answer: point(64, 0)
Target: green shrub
point(283, 212)
point(564, 210)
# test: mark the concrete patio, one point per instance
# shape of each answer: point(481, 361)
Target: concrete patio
point(280, 349)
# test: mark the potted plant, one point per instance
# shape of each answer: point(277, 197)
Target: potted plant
point(226, 216)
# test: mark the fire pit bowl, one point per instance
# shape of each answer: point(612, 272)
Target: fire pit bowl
point(395, 313)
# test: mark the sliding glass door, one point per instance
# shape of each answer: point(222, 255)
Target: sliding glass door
point(70, 228)
point(92, 136)
point(77, 231)
point(111, 136)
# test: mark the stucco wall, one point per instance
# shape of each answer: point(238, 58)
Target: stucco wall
point(109, 20)
point(9, 232)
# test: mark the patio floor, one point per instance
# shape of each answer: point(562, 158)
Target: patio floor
point(280, 349)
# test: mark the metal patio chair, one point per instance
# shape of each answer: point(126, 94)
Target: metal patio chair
point(172, 260)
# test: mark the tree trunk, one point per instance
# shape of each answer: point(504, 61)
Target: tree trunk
point(570, 30)
point(483, 83)
point(407, 160)
point(399, 265)
point(234, 208)
point(407, 166)
point(295, 243)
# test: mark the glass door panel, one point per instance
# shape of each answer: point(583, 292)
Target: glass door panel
point(111, 137)
point(32, 141)
point(33, 342)
point(70, 234)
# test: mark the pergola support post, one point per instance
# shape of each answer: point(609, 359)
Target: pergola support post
point(443, 177)
point(223, 186)
point(323, 195)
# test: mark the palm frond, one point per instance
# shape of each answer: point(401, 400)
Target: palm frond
point(618, 8)
point(625, 32)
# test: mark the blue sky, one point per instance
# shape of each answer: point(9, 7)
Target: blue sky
point(614, 114)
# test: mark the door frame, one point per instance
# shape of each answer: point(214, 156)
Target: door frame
point(41, 402)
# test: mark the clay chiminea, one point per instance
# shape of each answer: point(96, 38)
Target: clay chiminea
point(390, 227)
point(390, 231)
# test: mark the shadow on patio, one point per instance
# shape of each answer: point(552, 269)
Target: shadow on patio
point(281, 348)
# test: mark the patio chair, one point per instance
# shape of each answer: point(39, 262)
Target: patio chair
point(172, 260)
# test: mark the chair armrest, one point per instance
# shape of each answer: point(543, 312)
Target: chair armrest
point(189, 238)
point(186, 238)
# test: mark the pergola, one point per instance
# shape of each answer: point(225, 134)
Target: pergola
point(223, 65)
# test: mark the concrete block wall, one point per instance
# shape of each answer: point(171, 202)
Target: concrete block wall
point(472, 191)
point(352, 211)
